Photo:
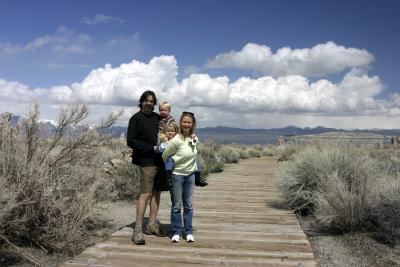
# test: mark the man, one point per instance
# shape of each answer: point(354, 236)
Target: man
point(142, 138)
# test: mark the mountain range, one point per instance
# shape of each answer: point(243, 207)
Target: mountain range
point(270, 136)
point(225, 135)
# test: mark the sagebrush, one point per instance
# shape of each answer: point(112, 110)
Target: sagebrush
point(345, 188)
point(49, 185)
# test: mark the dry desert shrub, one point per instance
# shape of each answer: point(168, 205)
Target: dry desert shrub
point(346, 188)
point(126, 182)
point(244, 154)
point(385, 211)
point(310, 169)
point(254, 153)
point(48, 186)
point(229, 154)
point(388, 159)
point(209, 158)
point(342, 207)
point(269, 151)
point(125, 176)
point(287, 152)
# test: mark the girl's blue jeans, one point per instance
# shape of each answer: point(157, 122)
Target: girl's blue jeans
point(182, 195)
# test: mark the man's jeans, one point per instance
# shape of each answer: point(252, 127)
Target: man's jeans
point(182, 193)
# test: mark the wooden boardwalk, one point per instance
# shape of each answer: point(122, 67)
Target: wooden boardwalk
point(235, 221)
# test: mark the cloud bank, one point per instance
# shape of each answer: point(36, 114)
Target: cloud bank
point(123, 85)
point(320, 60)
point(245, 102)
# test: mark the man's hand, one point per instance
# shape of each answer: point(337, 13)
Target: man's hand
point(156, 150)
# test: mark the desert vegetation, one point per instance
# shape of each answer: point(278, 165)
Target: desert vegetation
point(345, 189)
point(213, 156)
point(50, 183)
point(48, 186)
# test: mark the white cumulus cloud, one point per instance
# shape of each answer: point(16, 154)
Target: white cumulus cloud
point(320, 60)
point(217, 99)
point(297, 94)
point(14, 91)
point(204, 91)
point(123, 85)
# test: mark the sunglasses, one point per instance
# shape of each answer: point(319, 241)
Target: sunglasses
point(187, 113)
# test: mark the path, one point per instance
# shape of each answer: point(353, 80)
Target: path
point(236, 224)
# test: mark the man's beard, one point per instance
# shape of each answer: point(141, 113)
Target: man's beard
point(148, 108)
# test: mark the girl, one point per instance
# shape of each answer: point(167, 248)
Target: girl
point(183, 150)
point(169, 131)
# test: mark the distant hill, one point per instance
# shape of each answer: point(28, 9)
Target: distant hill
point(226, 135)
point(252, 136)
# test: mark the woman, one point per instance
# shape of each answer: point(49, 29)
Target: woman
point(183, 150)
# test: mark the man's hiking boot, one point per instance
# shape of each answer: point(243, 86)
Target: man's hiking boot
point(153, 228)
point(138, 237)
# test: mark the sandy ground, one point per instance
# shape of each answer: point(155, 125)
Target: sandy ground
point(116, 214)
point(349, 250)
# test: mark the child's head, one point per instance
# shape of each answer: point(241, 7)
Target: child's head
point(170, 130)
point(164, 109)
point(162, 138)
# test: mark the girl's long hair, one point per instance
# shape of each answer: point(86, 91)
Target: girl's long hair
point(190, 115)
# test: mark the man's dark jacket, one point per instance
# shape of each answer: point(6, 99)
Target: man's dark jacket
point(142, 137)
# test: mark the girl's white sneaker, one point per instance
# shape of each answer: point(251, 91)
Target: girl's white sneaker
point(190, 238)
point(175, 238)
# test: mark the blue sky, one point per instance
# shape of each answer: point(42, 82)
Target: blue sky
point(251, 64)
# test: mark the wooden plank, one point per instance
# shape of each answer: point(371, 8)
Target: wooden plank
point(235, 224)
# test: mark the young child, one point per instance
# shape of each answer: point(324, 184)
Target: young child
point(170, 130)
point(165, 113)
point(162, 184)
